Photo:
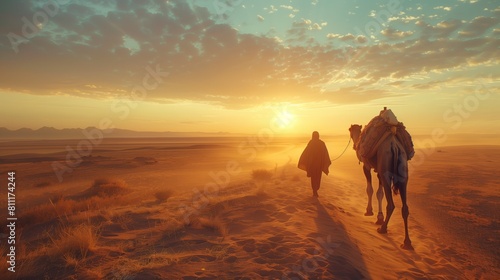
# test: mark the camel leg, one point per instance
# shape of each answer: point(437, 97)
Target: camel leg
point(380, 197)
point(386, 182)
point(405, 212)
point(369, 190)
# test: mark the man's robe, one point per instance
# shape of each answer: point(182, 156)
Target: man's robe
point(315, 158)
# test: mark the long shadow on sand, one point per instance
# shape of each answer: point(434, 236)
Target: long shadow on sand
point(343, 256)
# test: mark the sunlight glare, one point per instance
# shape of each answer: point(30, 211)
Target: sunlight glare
point(285, 119)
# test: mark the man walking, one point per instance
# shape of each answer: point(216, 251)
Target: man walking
point(315, 160)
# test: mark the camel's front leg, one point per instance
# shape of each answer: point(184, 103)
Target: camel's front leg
point(369, 190)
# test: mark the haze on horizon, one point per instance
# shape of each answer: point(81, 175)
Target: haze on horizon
point(238, 66)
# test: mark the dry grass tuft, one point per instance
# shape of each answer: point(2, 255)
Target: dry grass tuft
point(98, 197)
point(74, 243)
point(57, 197)
point(107, 187)
point(262, 174)
point(163, 196)
point(46, 212)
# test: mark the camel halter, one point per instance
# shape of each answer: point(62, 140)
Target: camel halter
point(344, 150)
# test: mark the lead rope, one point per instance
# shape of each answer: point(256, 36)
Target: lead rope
point(344, 150)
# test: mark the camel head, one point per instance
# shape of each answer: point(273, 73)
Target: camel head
point(355, 131)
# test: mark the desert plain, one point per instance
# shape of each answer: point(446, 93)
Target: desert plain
point(239, 208)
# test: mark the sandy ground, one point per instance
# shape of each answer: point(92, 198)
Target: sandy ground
point(240, 209)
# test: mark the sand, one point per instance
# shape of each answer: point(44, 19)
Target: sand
point(237, 209)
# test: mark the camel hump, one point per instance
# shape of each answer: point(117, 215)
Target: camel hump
point(378, 129)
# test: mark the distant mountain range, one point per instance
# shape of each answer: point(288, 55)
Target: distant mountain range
point(78, 133)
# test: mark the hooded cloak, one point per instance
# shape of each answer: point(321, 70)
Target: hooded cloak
point(315, 158)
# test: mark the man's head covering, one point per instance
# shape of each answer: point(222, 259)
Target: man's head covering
point(315, 135)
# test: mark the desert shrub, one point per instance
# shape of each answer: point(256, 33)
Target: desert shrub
point(262, 174)
point(162, 196)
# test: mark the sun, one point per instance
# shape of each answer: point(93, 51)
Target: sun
point(285, 119)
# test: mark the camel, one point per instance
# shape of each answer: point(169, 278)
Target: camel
point(355, 131)
point(391, 167)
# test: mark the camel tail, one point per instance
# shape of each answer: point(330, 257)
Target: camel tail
point(395, 160)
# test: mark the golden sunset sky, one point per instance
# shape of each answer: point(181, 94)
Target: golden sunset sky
point(237, 66)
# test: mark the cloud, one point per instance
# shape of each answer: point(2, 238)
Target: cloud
point(272, 9)
point(361, 39)
point(287, 7)
point(85, 52)
point(444, 8)
point(478, 26)
point(405, 19)
point(11, 14)
point(394, 34)
point(355, 95)
point(348, 37)
point(316, 26)
point(442, 29)
point(421, 56)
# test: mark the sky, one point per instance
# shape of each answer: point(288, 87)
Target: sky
point(242, 66)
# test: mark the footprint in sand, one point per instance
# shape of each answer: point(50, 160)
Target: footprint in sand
point(330, 206)
point(231, 259)
point(184, 243)
point(282, 217)
point(311, 250)
point(283, 250)
point(259, 216)
point(201, 258)
point(248, 245)
point(249, 248)
point(270, 274)
point(259, 260)
point(430, 261)
point(291, 209)
point(276, 238)
point(275, 257)
point(263, 248)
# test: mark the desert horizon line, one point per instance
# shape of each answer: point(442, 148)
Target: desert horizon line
point(229, 133)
